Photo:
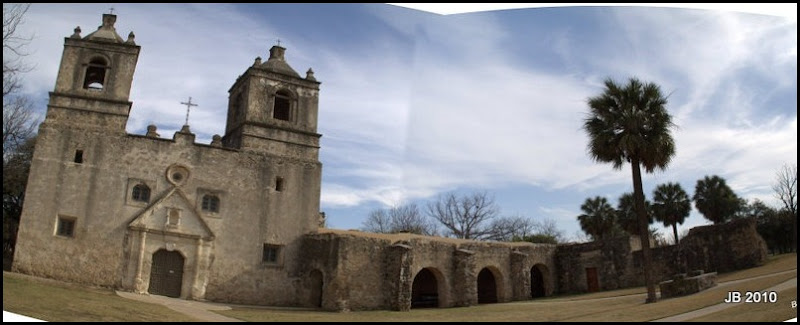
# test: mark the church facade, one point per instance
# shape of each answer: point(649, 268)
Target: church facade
point(171, 216)
point(238, 220)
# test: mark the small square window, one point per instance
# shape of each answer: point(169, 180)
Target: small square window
point(141, 193)
point(270, 254)
point(210, 203)
point(65, 227)
point(279, 184)
point(78, 156)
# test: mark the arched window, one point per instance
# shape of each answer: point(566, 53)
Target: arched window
point(141, 193)
point(95, 74)
point(282, 109)
point(210, 203)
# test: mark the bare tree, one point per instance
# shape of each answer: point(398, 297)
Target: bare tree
point(18, 120)
point(786, 191)
point(13, 46)
point(549, 228)
point(511, 228)
point(18, 123)
point(403, 218)
point(464, 216)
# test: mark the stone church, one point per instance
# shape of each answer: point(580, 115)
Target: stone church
point(238, 220)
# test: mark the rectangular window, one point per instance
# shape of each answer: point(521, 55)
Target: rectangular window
point(65, 227)
point(282, 108)
point(279, 184)
point(79, 156)
point(270, 254)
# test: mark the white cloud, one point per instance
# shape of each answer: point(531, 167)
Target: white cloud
point(442, 105)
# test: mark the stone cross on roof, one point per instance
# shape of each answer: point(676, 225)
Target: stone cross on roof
point(189, 105)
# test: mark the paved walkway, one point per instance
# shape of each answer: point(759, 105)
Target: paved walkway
point(200, 310)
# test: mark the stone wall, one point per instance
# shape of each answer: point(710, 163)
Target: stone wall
point(611, 258)
point(364, 271)
point(731, 246)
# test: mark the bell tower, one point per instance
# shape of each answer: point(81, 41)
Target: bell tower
point(94, 80)
point(272, 109)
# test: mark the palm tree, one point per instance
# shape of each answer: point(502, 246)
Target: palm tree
point(715, 200)
point(630, 123)
point(626, 214)
point(597, 219)
point(671, 205)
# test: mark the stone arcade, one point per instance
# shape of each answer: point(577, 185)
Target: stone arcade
point(237, 220)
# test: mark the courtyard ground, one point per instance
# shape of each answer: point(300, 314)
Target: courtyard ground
point(56, 301)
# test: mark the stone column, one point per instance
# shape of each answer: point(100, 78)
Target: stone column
point(520, 276)
point(399, 278)
point(139, 285)
point(465, 279)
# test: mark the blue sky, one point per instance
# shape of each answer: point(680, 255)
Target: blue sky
point(415, 104)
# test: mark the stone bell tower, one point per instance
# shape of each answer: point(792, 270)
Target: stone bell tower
point(94, 80)
point(272, 109)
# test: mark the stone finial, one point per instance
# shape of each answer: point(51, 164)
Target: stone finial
point(77, 33)
point(277, 52)
point(216, 140)
point(130, 38)
point(108, 21)
point(310, 75)
point(257, 62)
point(185, 129)
point(151, 131)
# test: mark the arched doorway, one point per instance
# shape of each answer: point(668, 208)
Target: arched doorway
point(538, 272)
point(166, 273)
point(315, 278)
point(487, 287)
point(425, 290)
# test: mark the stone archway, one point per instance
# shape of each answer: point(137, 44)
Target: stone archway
point(425, 290)
point(539, 275)
point(316, 282)
point(487, 287)
point(166, 273)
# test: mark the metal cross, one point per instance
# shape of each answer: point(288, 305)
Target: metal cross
point(278, 41)
point(189, 105)
point(111, 10)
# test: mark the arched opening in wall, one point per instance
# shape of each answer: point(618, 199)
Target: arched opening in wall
point(283, 106)
point(425, 290)
point(538, 280)
point(166, 273)
point(95, 74)
point(315, 279)
point(487, 287)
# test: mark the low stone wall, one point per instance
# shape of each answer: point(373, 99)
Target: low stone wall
point(681, 285)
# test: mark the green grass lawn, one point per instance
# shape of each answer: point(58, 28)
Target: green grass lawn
point(61, 302)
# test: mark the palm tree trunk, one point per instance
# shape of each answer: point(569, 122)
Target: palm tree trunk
point(644, 230)
point(675, 232)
